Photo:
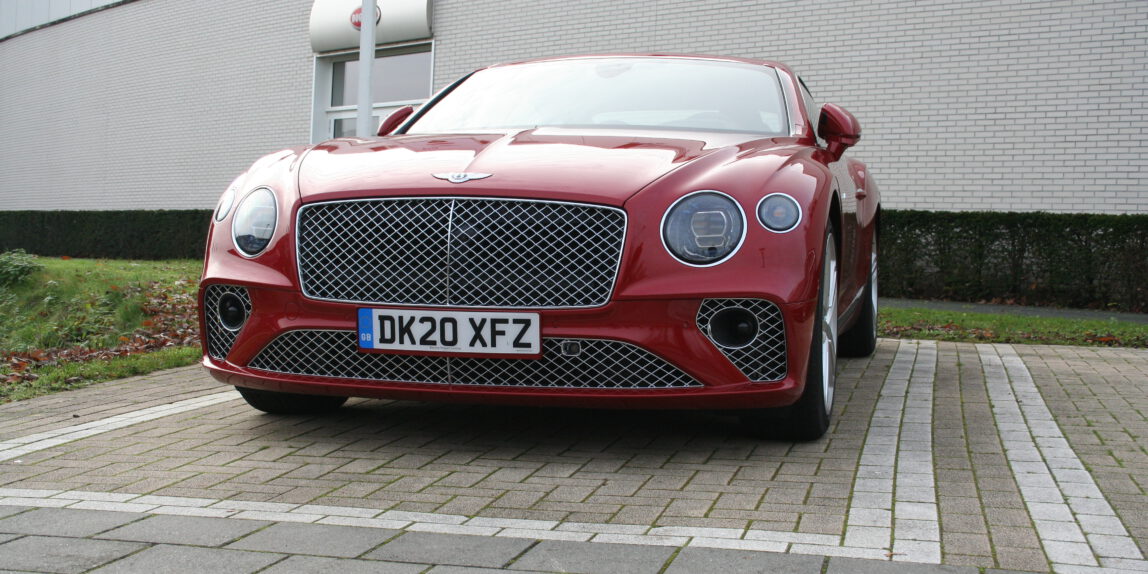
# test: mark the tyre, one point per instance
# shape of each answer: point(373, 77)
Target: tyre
point(808, 418)
point(289, 403)
point(861, 339)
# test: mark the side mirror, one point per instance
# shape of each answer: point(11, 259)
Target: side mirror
point(838, 128)
point(393, 121)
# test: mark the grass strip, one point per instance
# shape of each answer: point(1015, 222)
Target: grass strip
point(960, 326)
point(74, 375)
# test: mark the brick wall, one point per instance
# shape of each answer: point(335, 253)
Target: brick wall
point(153, 104)
point(965, 104)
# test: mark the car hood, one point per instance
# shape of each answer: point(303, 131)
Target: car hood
point(602, 166)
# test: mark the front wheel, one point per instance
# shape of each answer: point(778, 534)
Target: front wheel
point(289, 403)
point(808, 418)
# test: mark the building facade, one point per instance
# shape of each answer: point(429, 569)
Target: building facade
point(1007, 105)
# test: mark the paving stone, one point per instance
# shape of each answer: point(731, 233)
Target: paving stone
point(455, 549)
point(821, 524)
point(1014, 536)
point(65, 522)
point(473, 570)
point(171, 559)
point(197, 531)
point(963, 560)
point(839, 565)
point(1076, 553)
point(969, 523)
point(6, 511)
point(694, 560)
point(314, 539)
point(317, 565)
point(998, 516)
point(593, 558)
point(62, 555)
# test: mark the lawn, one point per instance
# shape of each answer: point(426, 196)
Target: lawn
point(919, 323)
point(67, 323)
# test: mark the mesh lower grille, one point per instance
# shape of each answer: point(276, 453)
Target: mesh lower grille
point(763, 359)
point(600, 364)
point(220, 338)
point(463, 252)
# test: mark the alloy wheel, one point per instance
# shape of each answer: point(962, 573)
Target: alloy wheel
point(829, 323)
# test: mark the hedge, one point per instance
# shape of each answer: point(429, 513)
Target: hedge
point(1067, 260)
point(1064, 260)
point(167, 234)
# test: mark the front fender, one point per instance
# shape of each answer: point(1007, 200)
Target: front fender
point(275, 266)
point(778, 266)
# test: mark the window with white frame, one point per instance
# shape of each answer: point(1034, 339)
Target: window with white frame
point(399, 76)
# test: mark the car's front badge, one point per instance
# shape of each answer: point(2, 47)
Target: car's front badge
point(461, 177)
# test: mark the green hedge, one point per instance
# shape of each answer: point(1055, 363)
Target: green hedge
point(1068, 260)
point(1065, 260)
point(107, 234)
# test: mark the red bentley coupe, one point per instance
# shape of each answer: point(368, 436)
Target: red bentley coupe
point(655, 231)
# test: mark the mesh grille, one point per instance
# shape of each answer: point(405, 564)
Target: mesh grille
point(461, 252)
point(219, 338)
point(336, 354)
point(763, 360)
point(600, 364)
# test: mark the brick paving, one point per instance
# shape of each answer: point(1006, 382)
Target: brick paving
point(967, 457)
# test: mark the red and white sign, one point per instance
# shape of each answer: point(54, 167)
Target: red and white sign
point(357, 17)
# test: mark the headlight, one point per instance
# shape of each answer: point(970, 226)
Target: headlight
point(254, 221)
point(225, 203)
point(778, 212)
point(703, 228)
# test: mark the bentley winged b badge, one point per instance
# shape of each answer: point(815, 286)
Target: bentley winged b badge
point(461, 177)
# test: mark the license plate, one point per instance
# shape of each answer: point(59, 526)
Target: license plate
point(450, 332)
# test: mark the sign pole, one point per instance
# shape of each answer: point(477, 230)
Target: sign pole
point(363, 123)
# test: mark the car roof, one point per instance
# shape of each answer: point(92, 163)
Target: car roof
point(666, 55)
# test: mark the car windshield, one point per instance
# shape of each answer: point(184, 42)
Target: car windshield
point(647, 93)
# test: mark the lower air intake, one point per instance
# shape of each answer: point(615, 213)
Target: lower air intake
point(220, 338)
point(599, 364)
point(762, 359)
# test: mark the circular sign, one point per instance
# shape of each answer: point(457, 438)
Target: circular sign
point(357, 17)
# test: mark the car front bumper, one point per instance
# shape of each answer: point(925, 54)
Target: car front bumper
point(640, 353)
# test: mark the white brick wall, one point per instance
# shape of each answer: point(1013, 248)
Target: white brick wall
point(154, 104)
point(965, 104)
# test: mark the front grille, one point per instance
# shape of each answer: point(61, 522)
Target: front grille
point(600, 364)
point(460, 252)
point(220, 338)
point(763, 359)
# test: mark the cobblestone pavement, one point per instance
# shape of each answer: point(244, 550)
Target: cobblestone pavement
point(944, 457)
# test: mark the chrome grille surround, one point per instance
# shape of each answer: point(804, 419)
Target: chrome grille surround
point(220, 338)
point(601, 364)
point(764, 359)
point(460, 252)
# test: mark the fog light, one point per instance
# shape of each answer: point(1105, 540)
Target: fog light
point(733, 327)
point(230, 311)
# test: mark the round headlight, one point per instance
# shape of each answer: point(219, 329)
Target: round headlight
point(703, 228)
point(225, 203)
point(254, 221)
point(778, 212)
